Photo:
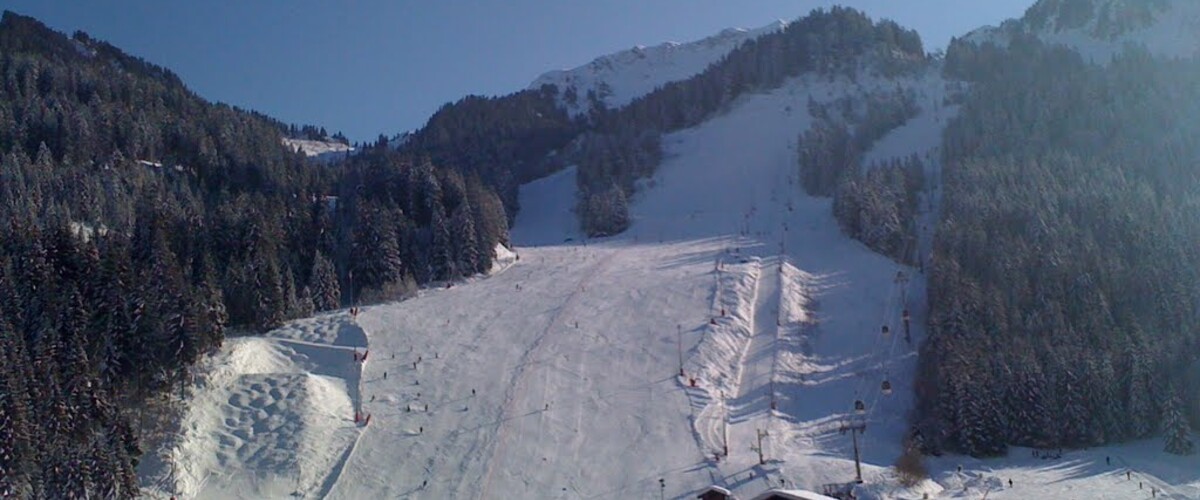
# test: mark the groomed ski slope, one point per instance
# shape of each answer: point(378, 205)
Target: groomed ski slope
point(558, 375)
point(576, 373)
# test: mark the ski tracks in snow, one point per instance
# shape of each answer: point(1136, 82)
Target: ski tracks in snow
point(514, 389)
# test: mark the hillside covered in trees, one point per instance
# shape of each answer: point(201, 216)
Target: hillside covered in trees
point(1063, 291)
point(507, 141)
point(138, 222)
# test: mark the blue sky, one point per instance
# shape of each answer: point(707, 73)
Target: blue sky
point(368, 67)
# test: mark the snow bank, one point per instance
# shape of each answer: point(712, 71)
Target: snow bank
point(504, 259)
point(716, 361)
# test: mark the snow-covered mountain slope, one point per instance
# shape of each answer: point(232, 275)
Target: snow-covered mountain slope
point(1099, 29)
point(619, 78)
point(321, 151)
point(559, 375)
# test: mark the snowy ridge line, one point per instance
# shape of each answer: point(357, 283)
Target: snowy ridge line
point(619, 78)
point(511, 392)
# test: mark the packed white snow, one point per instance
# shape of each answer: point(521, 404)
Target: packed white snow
point(321, 151)
point(560, 377)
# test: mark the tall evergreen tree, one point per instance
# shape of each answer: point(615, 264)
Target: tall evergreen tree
point(323, 282)
point(1176, 430)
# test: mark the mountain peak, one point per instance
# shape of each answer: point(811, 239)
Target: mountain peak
point(1101, 19)
point(617, 79)
point(1100, 29)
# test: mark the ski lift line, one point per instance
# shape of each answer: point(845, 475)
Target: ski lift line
point(891, 311)
point(888, 360)
point(886, 372)
point(860, 385)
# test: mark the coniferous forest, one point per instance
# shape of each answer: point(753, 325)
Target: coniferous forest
point(139, 224)
point(514, 139)
point(1062, 295)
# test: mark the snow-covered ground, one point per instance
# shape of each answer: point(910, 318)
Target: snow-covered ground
point(558, 375)
point(271, 415)
point(320, 151)
point(618, 79)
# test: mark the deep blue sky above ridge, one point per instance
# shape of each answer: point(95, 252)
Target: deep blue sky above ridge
point(370, 67)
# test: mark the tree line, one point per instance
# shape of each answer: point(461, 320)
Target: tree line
point(510, 140)
point(138, 223)
point(838, 41)
point(1062, 293)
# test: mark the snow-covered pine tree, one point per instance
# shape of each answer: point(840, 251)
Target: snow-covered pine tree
point(326, 292)
point(1074, 420)
point(441, 251)
point(981, 427)
point(215, 317)
point(375, 257)
point(269, 302)
point(1176, 430)
point(304, 303)
point(1139, 409)
point(1030, 422)
point(466, 251)
point(16, 451)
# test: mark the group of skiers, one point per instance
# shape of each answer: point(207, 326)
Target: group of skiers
point(365, 419)
point(1047, 454)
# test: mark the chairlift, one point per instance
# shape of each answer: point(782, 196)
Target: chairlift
point(860, 407)
point(886, 331)
point(886, 387)
point(905, 315)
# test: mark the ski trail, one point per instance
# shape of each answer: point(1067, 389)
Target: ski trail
point(514, 388)
point(757, 359)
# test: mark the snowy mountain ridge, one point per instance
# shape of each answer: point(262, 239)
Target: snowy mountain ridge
point(617, 79)
point(327, 151)
point(1100, 29)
